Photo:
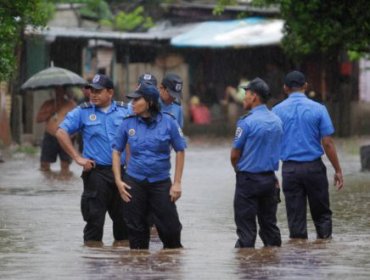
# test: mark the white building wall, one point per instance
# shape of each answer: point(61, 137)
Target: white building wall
point(364, 80)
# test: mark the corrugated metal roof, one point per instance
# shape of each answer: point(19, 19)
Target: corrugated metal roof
point(247, 32)
point(160, 32)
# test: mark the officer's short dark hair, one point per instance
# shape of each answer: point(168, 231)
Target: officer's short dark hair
point(260, 87)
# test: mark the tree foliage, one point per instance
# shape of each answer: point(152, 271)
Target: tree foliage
point(131, 21)
point(130, 15)
point(14, 16)
point(317, 26)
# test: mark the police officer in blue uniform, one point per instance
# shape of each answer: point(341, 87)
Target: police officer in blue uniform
point(255, 157)
point(146, 78)
point(307, 134)
point(97, 120)
point(146, 187)
point(170, 96)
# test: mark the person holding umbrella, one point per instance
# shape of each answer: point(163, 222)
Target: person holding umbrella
point(52, 112)
point(97, 120)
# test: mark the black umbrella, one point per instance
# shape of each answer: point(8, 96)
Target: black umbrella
point(53, 77)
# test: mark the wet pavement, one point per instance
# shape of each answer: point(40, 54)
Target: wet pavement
point(41, 228)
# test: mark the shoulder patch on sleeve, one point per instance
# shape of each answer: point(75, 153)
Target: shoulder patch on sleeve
point(121, 104)
point(238, 132)
point(168, 113)
point(85, 105)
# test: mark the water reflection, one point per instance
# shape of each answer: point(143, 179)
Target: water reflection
point(136, 264)
point(41, 230)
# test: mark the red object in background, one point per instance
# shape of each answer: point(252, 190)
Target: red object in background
point(200, 114)
point(346, 68)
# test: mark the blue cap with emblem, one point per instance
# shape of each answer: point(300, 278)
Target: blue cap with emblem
point(147, 78)
point(259, 86)
point(145, 90)
point(101, 81)
point(173, 83)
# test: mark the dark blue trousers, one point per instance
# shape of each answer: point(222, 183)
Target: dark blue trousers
point(256, 196)
point(100, 196)
point(304, 181)
point(151, 200)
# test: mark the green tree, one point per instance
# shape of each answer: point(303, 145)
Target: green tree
point(133, 20)
point(325, 27)
point(15, 15)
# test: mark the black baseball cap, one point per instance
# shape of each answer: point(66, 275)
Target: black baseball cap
point(147, 78)
point(294, 79)
point(173, 83)
point(259, 86)
point(101, 81)
point(145, 89)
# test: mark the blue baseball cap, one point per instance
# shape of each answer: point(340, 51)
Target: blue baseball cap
point(145, 90)
point(259, 86)
point(101, 81)
point(147, 78)
point(173, 83)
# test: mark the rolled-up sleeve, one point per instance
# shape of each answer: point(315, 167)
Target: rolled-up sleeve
point(326, 125)
point(241, 134)
point(120, 139)
point(72, 121)
point(177, 137)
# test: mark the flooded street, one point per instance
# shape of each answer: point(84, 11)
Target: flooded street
point(41, 228)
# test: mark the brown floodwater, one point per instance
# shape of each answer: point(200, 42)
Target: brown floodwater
point(41, 229)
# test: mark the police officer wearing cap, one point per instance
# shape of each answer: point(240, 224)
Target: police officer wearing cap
point(307, 135)
point(146, 78)
point(146, 187)
point(255, 157)
point(171, 93)
point(97, 120)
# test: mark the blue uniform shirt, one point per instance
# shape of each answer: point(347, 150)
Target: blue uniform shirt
point(305, 123)
point(175, 110)
point(150, 145)
point(258, 136)
point(98, 129)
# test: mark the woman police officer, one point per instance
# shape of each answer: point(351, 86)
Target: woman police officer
point(146, 186)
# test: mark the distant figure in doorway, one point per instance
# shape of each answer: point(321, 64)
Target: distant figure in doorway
point(52, 112)
point(233, 100)
point(199, 113)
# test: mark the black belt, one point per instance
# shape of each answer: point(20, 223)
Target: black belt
point(101, 167)
point(264, 173)
point(310, 161)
